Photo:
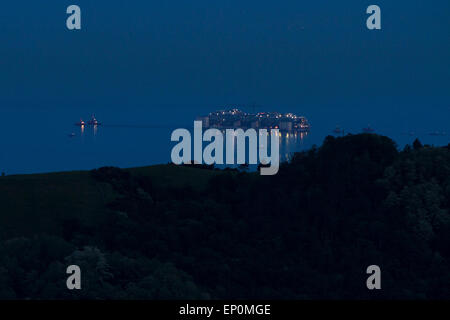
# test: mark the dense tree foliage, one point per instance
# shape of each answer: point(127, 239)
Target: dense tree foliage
point(308, 232)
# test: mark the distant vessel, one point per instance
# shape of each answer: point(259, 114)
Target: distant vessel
point(437, 133)
point(338, 130)
point(80, 123)
point(71, 135)
point(235, 118)
point(92, 122)
point(368, 129)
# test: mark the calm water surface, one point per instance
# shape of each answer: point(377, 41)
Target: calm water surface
point(37, 140)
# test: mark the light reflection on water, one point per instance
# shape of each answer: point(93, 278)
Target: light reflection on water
point(42, 142)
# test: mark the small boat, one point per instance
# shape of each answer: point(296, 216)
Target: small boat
point(80, 123)
point(93, 122)
point(437, 133)
point(71, 135)
point(368, 129)
point(338, 130)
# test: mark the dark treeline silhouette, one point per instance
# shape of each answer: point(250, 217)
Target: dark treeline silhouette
point(308, 232)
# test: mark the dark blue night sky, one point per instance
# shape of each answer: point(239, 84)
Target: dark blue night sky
point(149, 58)
point(219, 52)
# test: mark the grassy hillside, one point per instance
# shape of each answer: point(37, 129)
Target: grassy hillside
point(167, 232)
point(37, 203)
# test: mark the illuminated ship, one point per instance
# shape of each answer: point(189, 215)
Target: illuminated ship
point(235, 118)
point(92, 122)
point(80, 123)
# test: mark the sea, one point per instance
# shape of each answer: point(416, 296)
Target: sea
point(44, 138)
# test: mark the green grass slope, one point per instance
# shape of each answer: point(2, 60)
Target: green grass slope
point(37, 203)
